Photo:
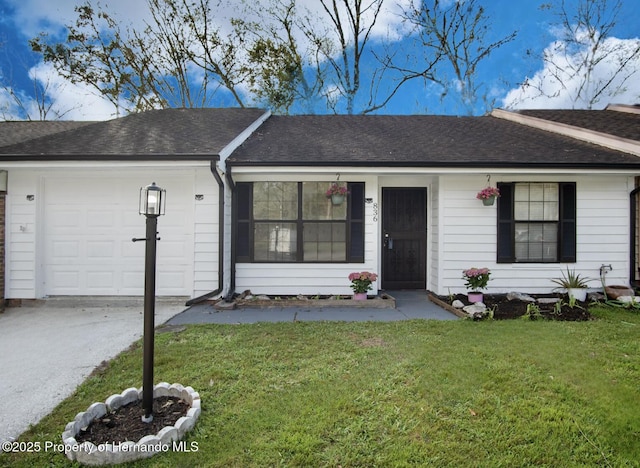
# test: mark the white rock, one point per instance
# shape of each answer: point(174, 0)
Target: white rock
point(627, 299)
point(473, 309)
point(161, 390)
point(548, 300)
point(458, 304)
point(114, 402)
point(130, 395)
point(514, 295)
point(184, 425)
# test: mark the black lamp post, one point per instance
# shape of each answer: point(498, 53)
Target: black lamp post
point(152, 201)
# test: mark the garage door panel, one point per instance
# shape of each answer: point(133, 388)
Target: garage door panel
point(100, 280)
point(64, 220)
point(64, 250)
point(65, 280)
point(101, 250)
point(89, 224)
point(101, 219)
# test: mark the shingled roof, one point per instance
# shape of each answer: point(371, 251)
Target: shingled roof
point(13, 132)
point(418, 141)
point(158, 134)
point(612, 122)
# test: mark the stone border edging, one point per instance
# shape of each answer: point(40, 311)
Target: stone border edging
point(107, 454)
point(457, 312)
point(385, 301)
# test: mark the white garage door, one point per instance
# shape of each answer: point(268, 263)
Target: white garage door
point(89, 223)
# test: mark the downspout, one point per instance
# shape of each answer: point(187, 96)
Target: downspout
point(232, 269)
point(634, 226)
point(218, 290)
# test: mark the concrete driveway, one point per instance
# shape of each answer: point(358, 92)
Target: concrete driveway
point(47, 349)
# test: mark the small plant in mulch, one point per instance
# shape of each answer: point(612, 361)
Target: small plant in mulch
point(565, 309)
point(125, 423)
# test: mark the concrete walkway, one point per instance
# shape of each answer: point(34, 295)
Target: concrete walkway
point(409, 305)
point(50, 347)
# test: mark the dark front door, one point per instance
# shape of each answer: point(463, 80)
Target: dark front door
point(404, 238)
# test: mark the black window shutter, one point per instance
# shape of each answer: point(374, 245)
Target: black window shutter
point(567, 222)
point(506, 224)
point(244, 195)
point(355, 223)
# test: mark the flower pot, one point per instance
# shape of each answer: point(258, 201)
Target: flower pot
point(359, 296)
point(579, 294)
point(474, 297)
point(337, 199)
point(488, 201)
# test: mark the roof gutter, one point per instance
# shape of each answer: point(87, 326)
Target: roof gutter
point(232, 269)
point(218, 290)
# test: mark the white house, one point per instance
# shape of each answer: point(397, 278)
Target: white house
point(247, 205)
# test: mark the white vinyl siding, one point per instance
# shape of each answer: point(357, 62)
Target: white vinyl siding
point(469, 234)
point(206, 233)
point(20, 267)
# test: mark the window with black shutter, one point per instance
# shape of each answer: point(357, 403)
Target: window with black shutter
point(536, 222)
point(279, 222)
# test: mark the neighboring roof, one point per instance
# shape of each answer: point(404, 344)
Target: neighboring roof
point(612, 122)
point(12, 132)
point(418, 141)
point(158, 134)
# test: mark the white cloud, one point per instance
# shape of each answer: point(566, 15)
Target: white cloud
point(65, 101)
point(35, 16)
point(563, 84)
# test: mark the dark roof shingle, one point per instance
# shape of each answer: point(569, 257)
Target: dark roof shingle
point(419, 141)
point(13, 132)
point(167, 132)
point(620, 124)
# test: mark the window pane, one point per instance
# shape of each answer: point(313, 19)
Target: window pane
point(316, 205)
point(275, 242)
point(521, 210)
point(536, 202)
point(521, 193)
point(536, 242)
point(275, 200)
point(324, 242)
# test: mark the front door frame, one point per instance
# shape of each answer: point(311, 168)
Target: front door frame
point(388, 283)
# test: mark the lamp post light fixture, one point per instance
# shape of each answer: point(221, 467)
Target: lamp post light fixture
point(152, 205)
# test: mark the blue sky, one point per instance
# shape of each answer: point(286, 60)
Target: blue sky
point(500, 75)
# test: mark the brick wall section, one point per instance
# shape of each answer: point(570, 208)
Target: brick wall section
point(2, 249)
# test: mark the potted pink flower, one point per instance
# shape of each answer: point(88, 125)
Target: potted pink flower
point(361, 283)
point(488, 195)
point(476, 279)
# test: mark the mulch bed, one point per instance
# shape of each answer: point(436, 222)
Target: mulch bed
point(125, 423)
point(505, 309)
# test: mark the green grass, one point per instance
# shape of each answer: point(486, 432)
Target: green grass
point(494, 393)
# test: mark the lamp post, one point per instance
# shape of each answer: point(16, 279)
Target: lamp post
point(152, 202)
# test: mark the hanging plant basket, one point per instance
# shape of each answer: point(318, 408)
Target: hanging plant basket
point(488, 195)
point(337, 193)
point(488, 201)
point(337, 199)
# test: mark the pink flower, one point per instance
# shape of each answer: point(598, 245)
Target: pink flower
point(476, 278)
point(488, 192)
point(361, 281)
point(336, 189)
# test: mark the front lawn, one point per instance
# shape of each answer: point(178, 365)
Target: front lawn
point(439, 393)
